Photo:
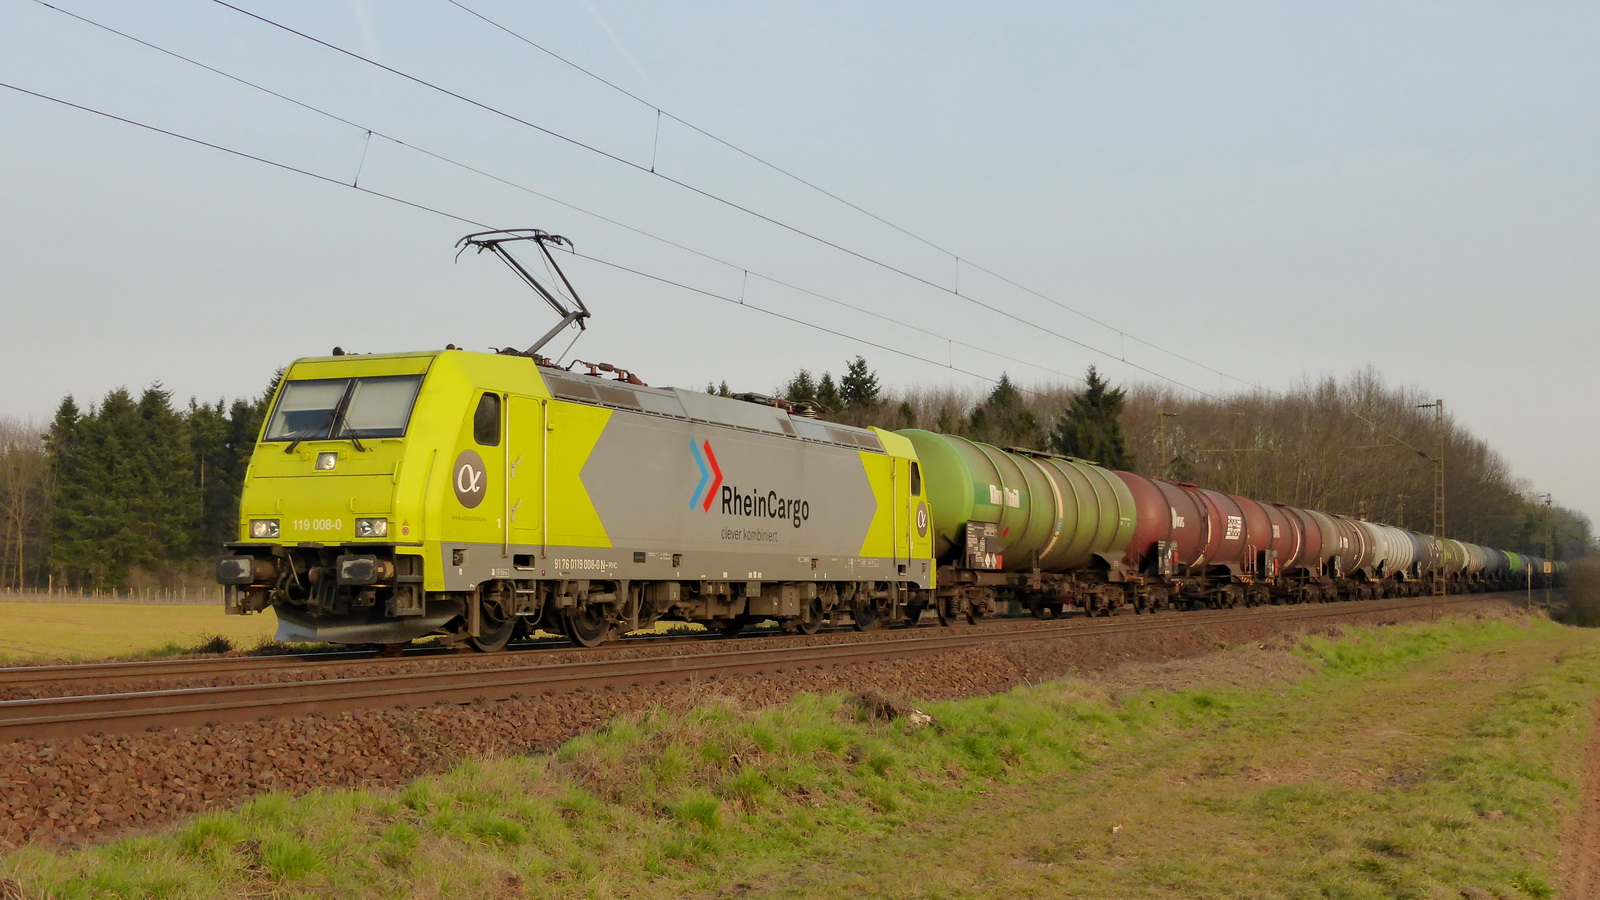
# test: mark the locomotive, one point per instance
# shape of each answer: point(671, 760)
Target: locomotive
point(479, 496)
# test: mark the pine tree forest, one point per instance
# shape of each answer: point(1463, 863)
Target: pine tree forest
point(128, 492)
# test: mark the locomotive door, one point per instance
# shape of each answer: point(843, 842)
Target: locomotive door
point(525, 426)
point(900, 486)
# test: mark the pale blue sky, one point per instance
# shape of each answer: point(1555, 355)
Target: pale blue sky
point(1272, 189)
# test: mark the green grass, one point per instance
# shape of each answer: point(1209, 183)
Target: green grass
point(1413, 762)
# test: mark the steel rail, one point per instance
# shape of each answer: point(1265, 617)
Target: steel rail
point(129, 670)
point(58, 717)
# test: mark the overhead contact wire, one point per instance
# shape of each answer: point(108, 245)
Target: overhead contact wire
point(240, 153)
point(477, 224)
point(369, 133)
point(704, 193)
point(843, 201)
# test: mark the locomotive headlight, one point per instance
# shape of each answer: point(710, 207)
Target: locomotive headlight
point(372, 528)
point(263, 528)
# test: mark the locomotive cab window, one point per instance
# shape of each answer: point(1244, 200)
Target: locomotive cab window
point(486, 421)
point(916, 480)
point(333, 408)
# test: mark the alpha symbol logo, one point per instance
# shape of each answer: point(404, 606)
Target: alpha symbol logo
point(710, 473)
point(471, 482)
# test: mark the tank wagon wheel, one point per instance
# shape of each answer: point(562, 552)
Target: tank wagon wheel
point(973, 614)
point(946, 614)
point(587, 624)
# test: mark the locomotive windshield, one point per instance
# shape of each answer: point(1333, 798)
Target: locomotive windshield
point(344, 408)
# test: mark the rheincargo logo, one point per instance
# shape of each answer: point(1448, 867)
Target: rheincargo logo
point(754, 503)
point(764, 506)
point(701, 496)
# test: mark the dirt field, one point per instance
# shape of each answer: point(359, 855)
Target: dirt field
point(37, 631)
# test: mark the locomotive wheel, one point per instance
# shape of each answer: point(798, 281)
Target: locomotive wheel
point(913, 614)
point(863, 616)
point(587, 625)
point(810, 619)
point(493, 636)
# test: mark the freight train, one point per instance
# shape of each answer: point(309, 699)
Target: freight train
point(479, 496)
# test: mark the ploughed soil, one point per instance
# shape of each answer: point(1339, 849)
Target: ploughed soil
point(90, 788)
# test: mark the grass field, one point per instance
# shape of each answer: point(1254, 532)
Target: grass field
point(1411, 761)
point(46, 631)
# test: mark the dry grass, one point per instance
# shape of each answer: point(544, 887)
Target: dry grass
point(45, 631)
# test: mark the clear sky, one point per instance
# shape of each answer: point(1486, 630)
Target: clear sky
point(1270, 189)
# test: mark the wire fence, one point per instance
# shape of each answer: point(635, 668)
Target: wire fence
point(179, 596)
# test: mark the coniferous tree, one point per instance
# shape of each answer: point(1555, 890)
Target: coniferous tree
point(68, 553)
point(115, 478)
point(828, 394)
point(801, 388)
point(167, 505)
point(1002, 419)
point(138, 487)
point(1090, 426)
point(859, 387)
point(215, 465)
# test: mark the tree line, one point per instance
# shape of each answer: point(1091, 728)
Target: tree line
point(125, 492)
point(132, 492)
point(1354, 446)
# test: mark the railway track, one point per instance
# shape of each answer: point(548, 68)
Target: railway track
point(127, 712)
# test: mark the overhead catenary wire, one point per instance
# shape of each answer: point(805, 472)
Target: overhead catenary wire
point(706, 194)
point(957, 258)
point(463, 219)
point(368, 133)
point(240, 153)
